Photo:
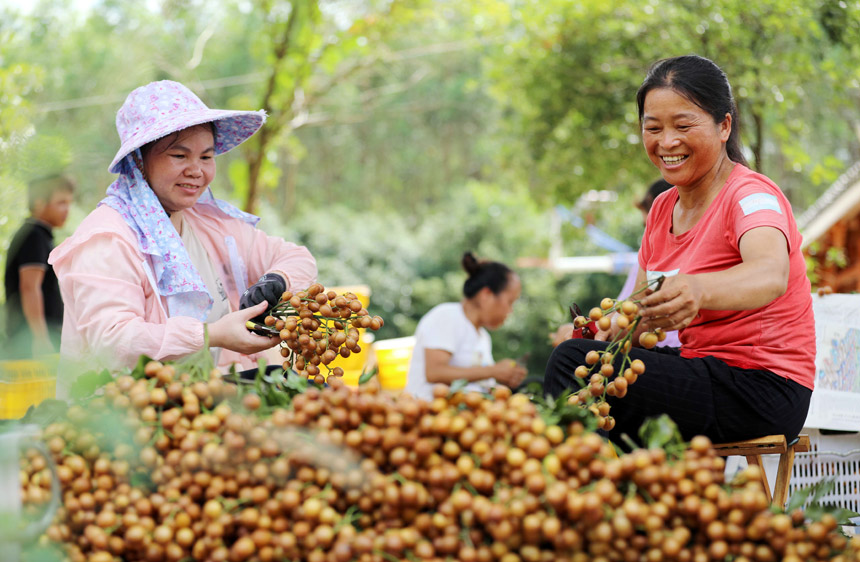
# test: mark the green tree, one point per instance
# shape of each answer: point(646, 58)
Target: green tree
point(18, 82)
point(305, 49)
point(793, 65)
point(366, 105)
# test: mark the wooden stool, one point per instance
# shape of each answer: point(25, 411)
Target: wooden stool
point(753, 449)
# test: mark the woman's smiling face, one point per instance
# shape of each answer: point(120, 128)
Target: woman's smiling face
point(180, 167)
point(681, 138)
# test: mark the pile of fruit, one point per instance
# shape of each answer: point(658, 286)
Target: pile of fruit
point(171, 464)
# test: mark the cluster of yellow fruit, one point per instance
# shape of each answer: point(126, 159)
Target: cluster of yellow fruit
point(315, 327)
point(599, 373)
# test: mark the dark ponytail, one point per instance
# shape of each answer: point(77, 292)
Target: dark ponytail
point(702, 82)
point(484, 273)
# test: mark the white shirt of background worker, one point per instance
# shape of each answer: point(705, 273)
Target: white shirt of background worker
point(452, 341)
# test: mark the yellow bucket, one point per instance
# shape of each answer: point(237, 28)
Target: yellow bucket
point(392, 358)
point(25, 383)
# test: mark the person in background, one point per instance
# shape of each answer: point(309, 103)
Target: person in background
point(34, 308)
point(160, 266)
point(565, 331)
point(726, 246)
point(452, 341)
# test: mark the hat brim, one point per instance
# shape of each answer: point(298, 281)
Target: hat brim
point(232, 129)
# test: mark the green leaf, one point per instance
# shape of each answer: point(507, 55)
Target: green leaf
point(814, 512)
point(295, 383)
point(551, 418)
point(199, 363)
point(822, 488)
point(457, 386)
point(276, 397)
point(352, 515)
point(45, 413)
point(142, 480)
point(561, 401)
point(137, 372)
point(367, 375)
point(559, 412)
point(817, 507)
point(798, 498)
point(534, 388)
point(87, 384)
point(844, 516)
point(661, 433)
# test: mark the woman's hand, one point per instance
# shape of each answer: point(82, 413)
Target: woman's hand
point(230, 332)
point(675, 305)
point(509, 373)
point(612, 332)
point(563, 333)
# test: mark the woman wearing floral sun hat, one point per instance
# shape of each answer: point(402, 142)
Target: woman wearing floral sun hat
point(160, 262)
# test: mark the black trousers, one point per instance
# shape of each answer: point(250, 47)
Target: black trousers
point(703, 396)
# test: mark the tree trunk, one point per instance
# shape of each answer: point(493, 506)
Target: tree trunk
point(276, 117)
point(290, 183)
point(255, 164)
point(758, 142)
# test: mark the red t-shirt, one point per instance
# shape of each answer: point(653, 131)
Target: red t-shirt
point(778, 337)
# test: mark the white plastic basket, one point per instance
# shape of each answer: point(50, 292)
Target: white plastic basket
point(834, 457)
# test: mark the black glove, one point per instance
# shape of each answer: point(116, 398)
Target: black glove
point(269, 288)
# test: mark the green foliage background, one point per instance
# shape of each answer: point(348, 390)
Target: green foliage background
point(403, 133)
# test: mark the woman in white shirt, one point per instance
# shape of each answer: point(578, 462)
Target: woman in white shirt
point(452, 341)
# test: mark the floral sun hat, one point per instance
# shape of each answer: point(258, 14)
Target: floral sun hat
point(160, 108)
point(150, 113)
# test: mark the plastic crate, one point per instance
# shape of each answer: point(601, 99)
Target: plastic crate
point(834, 457)
point(392, 357)
point(25, 383)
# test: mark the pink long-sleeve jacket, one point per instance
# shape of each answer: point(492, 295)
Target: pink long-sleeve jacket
point(113, 312)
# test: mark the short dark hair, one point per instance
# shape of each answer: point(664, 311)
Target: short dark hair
point(484, 273)
point(42, 188)
point(702, 82)
point(654, 190)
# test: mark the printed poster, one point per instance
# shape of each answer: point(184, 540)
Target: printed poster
point(836, 399)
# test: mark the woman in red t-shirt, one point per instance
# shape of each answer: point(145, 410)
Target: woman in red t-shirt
point(735, 286)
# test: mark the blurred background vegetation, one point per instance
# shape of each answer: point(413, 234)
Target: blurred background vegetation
point(402, 133)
